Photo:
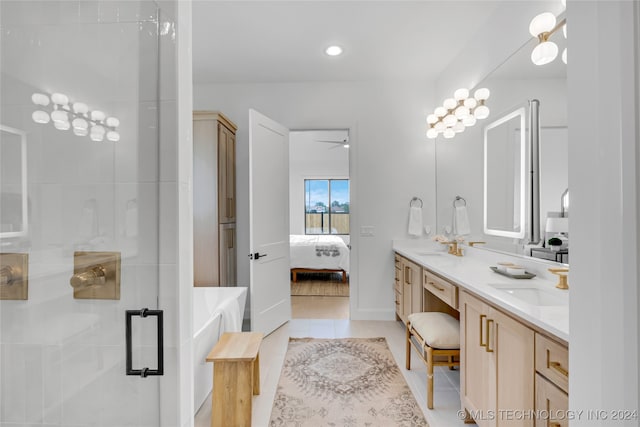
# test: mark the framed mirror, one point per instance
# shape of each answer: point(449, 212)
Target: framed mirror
point(504, 175)
point(13, 183)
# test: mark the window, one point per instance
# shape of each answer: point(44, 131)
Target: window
point(326, 206)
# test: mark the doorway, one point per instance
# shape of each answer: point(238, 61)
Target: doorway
point(319, 212)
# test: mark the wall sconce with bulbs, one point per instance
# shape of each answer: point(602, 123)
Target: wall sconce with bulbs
point(542, 27)
point(457, 113)
point(76, 116)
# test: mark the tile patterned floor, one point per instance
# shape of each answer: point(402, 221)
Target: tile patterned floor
point(274, 346)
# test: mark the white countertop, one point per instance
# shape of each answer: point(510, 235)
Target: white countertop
point(472, 272)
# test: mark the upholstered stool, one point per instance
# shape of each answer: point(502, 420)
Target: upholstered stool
point(435, 335)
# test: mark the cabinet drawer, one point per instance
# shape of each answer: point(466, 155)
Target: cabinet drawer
point(552, 361)
point(552, 404)
point(444, 290)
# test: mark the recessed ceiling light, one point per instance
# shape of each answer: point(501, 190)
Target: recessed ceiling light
point(333, 50)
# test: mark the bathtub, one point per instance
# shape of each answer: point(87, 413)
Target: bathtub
point(209, 305)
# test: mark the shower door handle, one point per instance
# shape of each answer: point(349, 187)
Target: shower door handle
point(145, 372)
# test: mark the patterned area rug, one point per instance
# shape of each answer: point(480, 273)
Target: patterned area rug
point(349, 382)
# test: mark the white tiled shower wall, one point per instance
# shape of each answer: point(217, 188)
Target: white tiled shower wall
point(62, 360)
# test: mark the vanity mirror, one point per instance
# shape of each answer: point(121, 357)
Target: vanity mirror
point(502, 216)
point(13, 180)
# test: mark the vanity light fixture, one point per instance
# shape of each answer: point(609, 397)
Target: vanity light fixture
point(95, 124)
point(458, 113)
point(542, 27)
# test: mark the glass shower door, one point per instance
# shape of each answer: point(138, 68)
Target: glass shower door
point(79, 213)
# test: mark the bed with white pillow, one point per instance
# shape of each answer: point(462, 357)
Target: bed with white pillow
point(318, 254)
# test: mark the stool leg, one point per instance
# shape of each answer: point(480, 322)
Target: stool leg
point(429, 377)
point(256, 375)
point(408, 347)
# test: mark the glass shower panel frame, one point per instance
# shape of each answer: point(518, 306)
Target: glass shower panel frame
point(62, 359)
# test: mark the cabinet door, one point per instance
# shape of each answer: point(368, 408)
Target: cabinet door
point(205, 203)
point(228, 257)
point(550, 401)
point(226, 173)
point(513, 345)
point(475, 376)
point(398, 285)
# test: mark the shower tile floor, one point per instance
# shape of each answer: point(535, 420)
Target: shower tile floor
point(274, 347)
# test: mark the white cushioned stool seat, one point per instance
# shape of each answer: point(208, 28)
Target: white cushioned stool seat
point(439, 330)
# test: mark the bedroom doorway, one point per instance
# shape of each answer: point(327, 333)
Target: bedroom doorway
point(319, 202)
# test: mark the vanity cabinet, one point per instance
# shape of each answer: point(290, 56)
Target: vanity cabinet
point(552, 381)
point(497, 354)
point(214, 232)
point(407, 287)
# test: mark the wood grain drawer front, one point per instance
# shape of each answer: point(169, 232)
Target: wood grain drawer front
point(444, 290)
point(552, 361)
point(552, 404)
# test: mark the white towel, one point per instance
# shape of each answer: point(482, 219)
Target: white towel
point(461, 221)
point(415, 221)
point(231, 316)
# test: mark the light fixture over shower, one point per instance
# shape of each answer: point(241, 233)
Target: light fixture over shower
point(542, 27)
point(96, 124)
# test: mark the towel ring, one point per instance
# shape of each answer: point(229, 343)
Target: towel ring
point(415, 199)
point(461, 199)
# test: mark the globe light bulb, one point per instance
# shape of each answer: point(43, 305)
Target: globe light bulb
point(482, 94)
point(461, 112)
point(461, 94)
point(542, 23)
point(449, 103)
point(544, 53)
point(449, 120)
point(432, 133)
point(432, 118)
point(62, 125)
point(59, 116)
point(60, 99)
point(440, 111)
point(481, 112)
point(470, 103)
point(115, 137)
point(439, 126)
point(40, 116)
point(80, 108)
point(97, 116)
point(80, 132)
point(470, 120)
point(458, 127)
point(449, 133)
point(79, 123)
point(40, 99)
point(112, 122)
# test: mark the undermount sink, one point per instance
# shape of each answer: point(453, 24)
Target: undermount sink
point(533, 296)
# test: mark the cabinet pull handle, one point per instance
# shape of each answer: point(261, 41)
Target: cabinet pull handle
point(556, 366)
point(229, 239)
point(436, 286)
point(488, 335)
point(554, 425)
point(482, 317)
point(407, 276)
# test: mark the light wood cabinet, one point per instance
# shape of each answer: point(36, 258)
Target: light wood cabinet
point(214, 200)
point(409, 282)
point(497, 355)
point(552, 382)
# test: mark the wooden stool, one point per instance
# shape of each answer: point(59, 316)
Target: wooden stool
point(236, 377)
point(434, 334)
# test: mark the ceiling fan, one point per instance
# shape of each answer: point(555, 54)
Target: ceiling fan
point(344, 142)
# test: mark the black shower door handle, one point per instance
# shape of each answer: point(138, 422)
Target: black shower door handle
point(145, 372)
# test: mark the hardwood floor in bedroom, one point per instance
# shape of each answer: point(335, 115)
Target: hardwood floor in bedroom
point(319, 307)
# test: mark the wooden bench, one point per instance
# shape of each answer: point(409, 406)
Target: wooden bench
point(236, 378)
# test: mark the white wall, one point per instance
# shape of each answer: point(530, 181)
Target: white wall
point(312, 159)
point(390, 162)
point(604, 166)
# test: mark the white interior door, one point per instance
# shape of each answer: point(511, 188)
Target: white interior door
point(268, 223)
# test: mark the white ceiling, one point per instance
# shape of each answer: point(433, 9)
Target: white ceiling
point(284, 41)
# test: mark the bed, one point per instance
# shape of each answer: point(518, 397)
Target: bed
point(318, 254)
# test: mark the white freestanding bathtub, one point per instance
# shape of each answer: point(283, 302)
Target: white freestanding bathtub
point(214, 312)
